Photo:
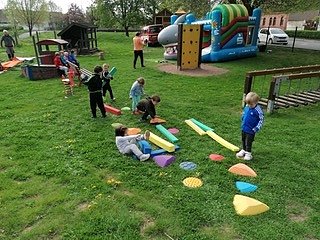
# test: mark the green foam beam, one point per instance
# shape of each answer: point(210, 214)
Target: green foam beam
point(166, 133)
point(201, 125)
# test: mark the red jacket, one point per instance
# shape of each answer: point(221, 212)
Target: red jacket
point(57, 62)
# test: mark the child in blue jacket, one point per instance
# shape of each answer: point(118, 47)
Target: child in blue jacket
point(136, 91)
point(252, 121)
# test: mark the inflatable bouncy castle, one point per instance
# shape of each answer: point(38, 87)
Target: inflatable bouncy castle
point(228, 33)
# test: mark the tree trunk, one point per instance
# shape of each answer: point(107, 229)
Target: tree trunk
point(30, 31)
point(126, 28)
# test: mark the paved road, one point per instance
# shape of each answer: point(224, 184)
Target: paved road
point(26, 35)
point(303, 43)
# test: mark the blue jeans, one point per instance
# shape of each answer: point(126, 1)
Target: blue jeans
point(135, 100)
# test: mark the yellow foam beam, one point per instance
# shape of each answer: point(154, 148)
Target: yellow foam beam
point(246, 206)
point(222, 141)
point(160, 142)
point(195, 127)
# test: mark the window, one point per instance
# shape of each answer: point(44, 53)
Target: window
point(281, 21)
point(264, 21)
point(274, 21)
point(270, 21)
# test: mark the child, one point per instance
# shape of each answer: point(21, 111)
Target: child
point(127, 144)
point(252, 120)
point(72, 58)
point(148, 107)
point(59, 65)
point(94, 84)
point(136, 91)
point(106, 77)
point(63, 59)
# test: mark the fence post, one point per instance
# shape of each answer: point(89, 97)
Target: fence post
point(247, 88)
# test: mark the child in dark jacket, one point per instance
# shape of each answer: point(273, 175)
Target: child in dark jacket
point(148, 107)
point(128, 144)
point(252, 121)
point(106, 81)
point(94, 84)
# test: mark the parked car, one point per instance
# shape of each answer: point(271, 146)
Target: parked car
point(275, 35)
point(150, 34)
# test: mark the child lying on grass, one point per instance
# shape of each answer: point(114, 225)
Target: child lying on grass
point(128, 144)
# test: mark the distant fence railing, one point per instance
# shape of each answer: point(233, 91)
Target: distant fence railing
point(116, 30)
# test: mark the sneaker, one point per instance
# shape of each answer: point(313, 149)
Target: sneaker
point(142, 120)
point(147, 134)
point(241, 153)
point(144, 157)
point(247, 156)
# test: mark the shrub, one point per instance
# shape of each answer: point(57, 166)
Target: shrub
point(304, 34)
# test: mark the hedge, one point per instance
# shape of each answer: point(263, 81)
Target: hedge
point(304, 34)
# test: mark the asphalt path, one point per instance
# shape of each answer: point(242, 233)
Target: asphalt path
point(302, 43)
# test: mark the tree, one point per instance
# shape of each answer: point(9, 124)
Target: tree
point(127, 13)
point(75, 14)
point(102, 17)
point(55, 16)
point(28, 12)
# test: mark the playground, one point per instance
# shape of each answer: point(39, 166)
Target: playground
point(62, 176)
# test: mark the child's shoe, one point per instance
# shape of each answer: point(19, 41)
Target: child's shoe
point(142, 120)
point(247, 156)
point(241, 153)
point(146, 135)
point(144, 157)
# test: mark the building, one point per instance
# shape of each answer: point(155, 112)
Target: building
point(163, 17)
point(275, 20)
point(302, 20)
point(3, 18)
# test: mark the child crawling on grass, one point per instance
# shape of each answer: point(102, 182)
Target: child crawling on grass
point(128, 144)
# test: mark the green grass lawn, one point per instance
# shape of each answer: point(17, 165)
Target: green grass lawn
point(55, 161)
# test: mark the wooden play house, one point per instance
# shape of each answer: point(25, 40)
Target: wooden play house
point(44, 51)
point(82, 37)
point(47, 48)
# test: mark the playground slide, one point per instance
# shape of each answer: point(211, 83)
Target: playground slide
point(10, 64)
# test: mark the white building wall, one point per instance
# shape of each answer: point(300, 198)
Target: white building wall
point(291, 25)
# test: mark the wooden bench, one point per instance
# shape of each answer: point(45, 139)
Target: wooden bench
point(80, 71)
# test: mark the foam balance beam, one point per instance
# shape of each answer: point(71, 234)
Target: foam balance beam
point(222, 141)
point(246, 206)
point(160, 142)
point(112, 110)
point(161, 151)
point(112, 71)
point(195, 127)
point(201, 125)
point(166, 133)
point(145, 147)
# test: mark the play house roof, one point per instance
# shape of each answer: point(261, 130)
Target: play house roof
point(75, 25)
point(52, 42)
